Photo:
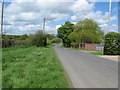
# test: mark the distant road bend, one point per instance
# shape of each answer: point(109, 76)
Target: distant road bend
point(88, 71)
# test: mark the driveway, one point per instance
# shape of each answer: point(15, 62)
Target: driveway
point(88, 71)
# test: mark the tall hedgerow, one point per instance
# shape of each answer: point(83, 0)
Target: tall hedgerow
point(112, 44)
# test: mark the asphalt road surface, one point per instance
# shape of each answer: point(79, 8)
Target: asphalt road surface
point(88, 71)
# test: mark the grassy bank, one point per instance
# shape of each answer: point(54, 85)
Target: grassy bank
point(33, 67)
point(97, 53)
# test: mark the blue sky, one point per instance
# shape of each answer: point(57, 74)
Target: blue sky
point(103, 6)
point(27, 18)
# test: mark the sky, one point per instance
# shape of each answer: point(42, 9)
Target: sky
point(27, 17)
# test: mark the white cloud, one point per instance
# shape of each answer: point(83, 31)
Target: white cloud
point(28, 17)
point(73, 18)
point(113, 28)
point(113, 18)
point(82, 6)
point(74, 22)
point(58, 26)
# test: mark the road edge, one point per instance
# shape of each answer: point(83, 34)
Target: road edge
point(65, 73)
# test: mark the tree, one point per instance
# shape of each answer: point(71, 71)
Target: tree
point(75, 39)
point(86, 31)
point(91, 28)
point(64, 31)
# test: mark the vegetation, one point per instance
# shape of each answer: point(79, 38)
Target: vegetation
point(38, 39)
point(12, 40)
point(112, 46)
point(50, 36)
point(30, 63)
point(56, 40)
point(86, 31)
point(32, 67)
point(64, 31)
point(97, 53)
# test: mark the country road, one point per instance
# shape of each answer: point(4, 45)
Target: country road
point(88, 71)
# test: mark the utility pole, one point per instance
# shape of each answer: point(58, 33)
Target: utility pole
point(109, 14)
point(45, 39)
point(2, 17)
point(44, 26)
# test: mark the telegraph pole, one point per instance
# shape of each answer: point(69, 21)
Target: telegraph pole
point(45, 39)
point(109, 14)
point(2, 17)
point(44, 26)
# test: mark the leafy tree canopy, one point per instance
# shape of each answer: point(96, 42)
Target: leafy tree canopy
point(89, 31)
point(64, 31)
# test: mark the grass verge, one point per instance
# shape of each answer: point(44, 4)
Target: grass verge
point(97, 53)
point(32, 67)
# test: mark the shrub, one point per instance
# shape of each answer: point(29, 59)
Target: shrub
point(24, 43)
point(12, 40)
point(7, 41)
point(50, 36)
point(111, 47)
point(56, 40)
point(38, 39)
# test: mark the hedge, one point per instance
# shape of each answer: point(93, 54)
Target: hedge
point(112, 45)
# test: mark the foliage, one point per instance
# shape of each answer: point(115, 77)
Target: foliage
point(23, 37)
point(56, 40)
point(86, 31)
point(50, 36)
point(32, 67)
point(90, 28)
point(97, 53)
point(12, 40)
point(38, 39)
point(7, 42)
point(112, 45)
point(64, 31)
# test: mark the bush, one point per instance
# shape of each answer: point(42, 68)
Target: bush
point(7, 41)
point(24, 43)
point(56, 40)
point(38, 39)
point(111, 47)
point(12, 40)
point(50, 36)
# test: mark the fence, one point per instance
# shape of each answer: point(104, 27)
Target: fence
point(93, 47)
point(90, 47)
point(99, 47)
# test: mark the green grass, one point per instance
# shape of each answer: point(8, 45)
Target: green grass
point(0, 68)
point(33, 67)
point(97, 53)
